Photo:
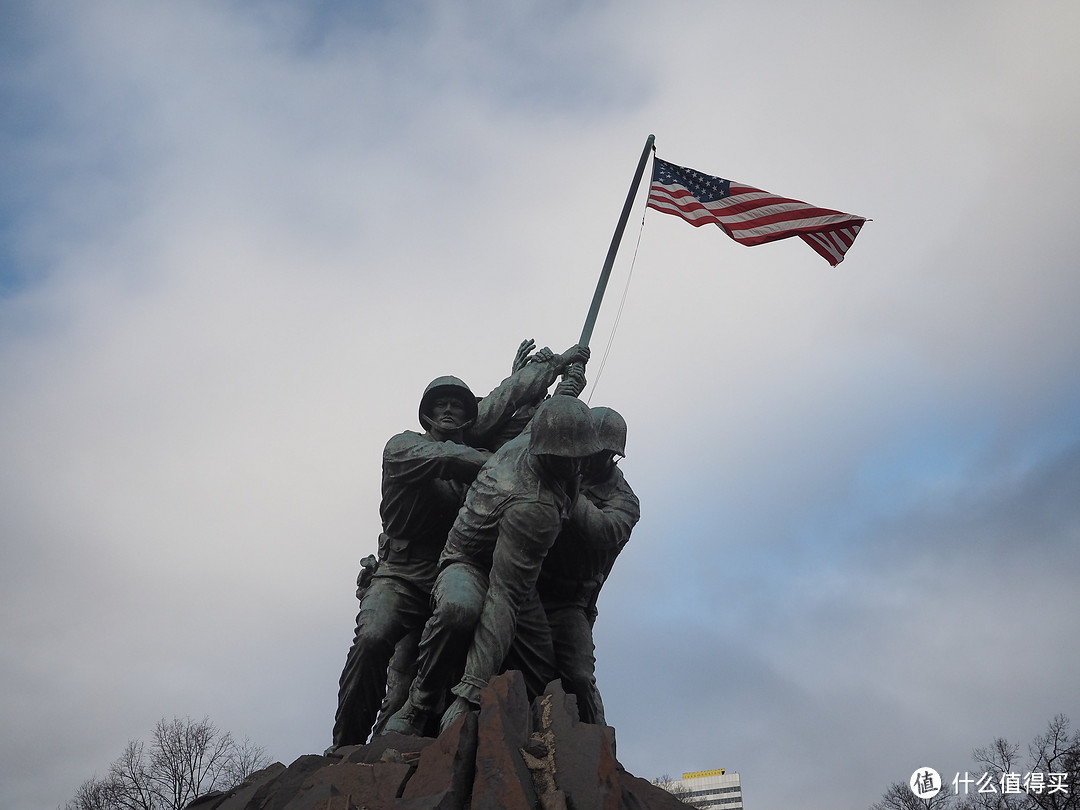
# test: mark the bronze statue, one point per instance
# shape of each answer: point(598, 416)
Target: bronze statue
point(425, 476)
point(486, 611)
point(581, 559)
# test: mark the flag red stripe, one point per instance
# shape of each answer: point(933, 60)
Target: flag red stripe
point(745, 208)
point(752, 217)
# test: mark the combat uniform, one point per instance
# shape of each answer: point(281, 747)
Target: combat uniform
point(571, 578)
point(424, 481)
point(484, 599)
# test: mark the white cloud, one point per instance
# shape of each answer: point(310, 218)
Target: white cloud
point(238, 242)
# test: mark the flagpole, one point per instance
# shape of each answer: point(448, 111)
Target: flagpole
point(601, 285)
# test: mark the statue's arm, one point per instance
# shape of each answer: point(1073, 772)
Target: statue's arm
point(607, 526)
point(526, 386)
point(410, 457)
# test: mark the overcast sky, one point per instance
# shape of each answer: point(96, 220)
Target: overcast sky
point(237, 239)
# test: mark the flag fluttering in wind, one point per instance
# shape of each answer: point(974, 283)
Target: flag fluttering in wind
point(749, 215)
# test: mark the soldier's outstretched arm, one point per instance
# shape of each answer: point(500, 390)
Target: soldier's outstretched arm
point(526, 386)
point(408, 457)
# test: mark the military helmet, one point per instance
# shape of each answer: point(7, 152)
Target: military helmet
point(610, 429)
point(563, 426)
point(447, 386)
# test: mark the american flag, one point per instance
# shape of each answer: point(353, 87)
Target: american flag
point(749, 215)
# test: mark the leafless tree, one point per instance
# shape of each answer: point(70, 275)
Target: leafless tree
point(93, 794)
point(995, 761)
point(185, 760)
point(899, 796)
point(1002, 781)
point(246, 759)
point(679, 791)
point(1057, 752)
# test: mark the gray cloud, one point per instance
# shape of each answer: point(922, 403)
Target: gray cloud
point(236, 243)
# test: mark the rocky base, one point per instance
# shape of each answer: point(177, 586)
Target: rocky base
point(507, 756)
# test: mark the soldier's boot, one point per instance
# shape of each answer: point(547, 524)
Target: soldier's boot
point(409, 719)
point(455, 710)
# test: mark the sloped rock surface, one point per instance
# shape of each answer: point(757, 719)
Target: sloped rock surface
point(507, 756)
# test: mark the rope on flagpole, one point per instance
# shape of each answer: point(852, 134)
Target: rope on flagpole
point(619, 312)
point(609, 261)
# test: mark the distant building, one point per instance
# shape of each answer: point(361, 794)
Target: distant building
point(714, 790)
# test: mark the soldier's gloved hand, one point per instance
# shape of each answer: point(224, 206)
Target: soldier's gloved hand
point(368, 566)
point(542, 355)
point(575, 354)
point(522, 356)
point(573, 381)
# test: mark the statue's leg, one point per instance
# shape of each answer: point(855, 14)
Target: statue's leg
point(399, 677)
point(515, 566)
point(456, 601)
point(531, 651)
point(575, 660)
point(389, 607)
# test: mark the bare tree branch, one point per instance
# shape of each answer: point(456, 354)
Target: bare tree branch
point(898, 796)
point(185, 759)
point(1049, 780)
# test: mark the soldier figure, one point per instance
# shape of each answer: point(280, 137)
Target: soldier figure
point(485, 591)
point(579, 563)
point(425, 477)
